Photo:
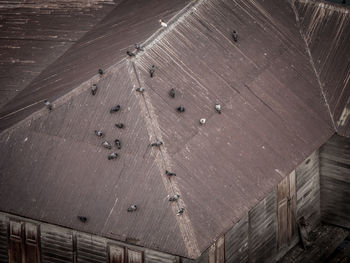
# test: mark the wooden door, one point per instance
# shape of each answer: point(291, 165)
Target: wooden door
point(286, 211)
point(134, 256)
point(116, 254)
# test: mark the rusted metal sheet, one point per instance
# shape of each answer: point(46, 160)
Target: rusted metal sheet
point(326, 28)
point(272, 118)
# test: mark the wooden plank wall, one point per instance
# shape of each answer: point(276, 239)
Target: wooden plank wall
point(56, 244)
point(335, 181)
point(254, 238)
point(62, 245)
point(3, 239)
point(262, 230)
point(308, 189)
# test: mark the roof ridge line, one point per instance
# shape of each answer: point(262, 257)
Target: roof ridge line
point(297, 18)
point(163, 162)
point(60, 100)
point(334, 6)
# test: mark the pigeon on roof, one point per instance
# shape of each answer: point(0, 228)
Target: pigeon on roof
point(118, 144)
point(132, 208)
point(174, 197)
point(106, 145)
point(115, 109)
point(218, 108)
point(235, 36)
point(119, 125)
point(99, 133)
point(112, 156)
point(151, 71)
point(48, 105)
point(130, 54)
point(180, 109)
point(157, 144)
point(94, 89)
point(100, 71)
point(162, 23)
point(82, 218)
point(172, 93)
point(169, 173)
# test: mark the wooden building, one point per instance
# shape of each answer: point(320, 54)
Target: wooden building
point(276, 152)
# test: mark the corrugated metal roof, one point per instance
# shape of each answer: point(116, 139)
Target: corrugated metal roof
point(273, 117)
point(326, 30)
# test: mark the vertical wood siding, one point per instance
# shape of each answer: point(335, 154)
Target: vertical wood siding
point(308, 189)
point(3, 240)
point(91, 249)
point(56, 244)
point(262, 230)
point(335, 181)
point(236, 242)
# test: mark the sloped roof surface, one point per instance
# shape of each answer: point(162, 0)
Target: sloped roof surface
point(103, 46)
point(35, 34)
point(326, 28)
point(273, 117)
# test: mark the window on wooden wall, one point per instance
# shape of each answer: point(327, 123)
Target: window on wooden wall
point(286, 211)
point(23, 243)
point(124, 255)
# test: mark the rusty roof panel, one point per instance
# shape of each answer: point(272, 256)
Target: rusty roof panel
point(326, 30)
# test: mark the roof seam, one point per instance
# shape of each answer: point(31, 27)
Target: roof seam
point(292, 2)
point(170, 185)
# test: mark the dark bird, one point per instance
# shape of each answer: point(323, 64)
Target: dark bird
point(138, 47)
point(100, 71)
point(132, 208)
point(174, 198)
point(235, 36)
point(99, 133)
point(82, 218)
point(112, 156)
point(151, 71)
point(169, 173)
point(172, 93)
point(141, 90)
point(106, 145)
point(130, 54)
point(180, 109)
point(118, 144)
point(157, 144)
point(48, 105)
point(115, 109)
point(180, 211)
point(119, 125)
point(94, 89)
point(218, 108)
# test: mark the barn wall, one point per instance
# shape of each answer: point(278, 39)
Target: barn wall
point(254, 237)
point(335, 181)
point(53, 244)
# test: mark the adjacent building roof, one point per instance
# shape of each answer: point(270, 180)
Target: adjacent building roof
point(326, 28)
point(273, 116)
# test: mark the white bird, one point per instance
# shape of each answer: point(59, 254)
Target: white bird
point(162, 23)
point(174, 197)
point(218, 108)
point(202, 121)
